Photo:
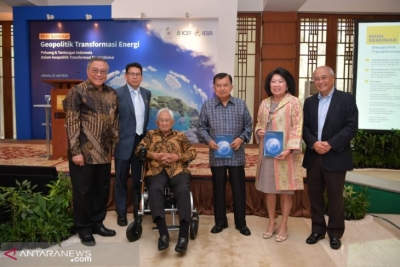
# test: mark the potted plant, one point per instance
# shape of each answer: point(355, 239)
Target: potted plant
point(356, 204)
point(6, 239)
point(34, 217)
point(30, 234)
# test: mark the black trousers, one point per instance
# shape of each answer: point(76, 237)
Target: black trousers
point(179, 185)
point(238, 183)
point(122, 168)
point(91, 189)
point(319, 179)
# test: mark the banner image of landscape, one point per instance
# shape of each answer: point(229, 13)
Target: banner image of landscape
point(178, 59)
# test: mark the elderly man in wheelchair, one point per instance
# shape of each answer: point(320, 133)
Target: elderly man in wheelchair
point(167, 157)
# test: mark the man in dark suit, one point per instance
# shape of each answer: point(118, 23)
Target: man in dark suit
point(134, 104)
point(330, 122)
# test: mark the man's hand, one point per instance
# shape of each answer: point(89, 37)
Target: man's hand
point(236, 143)
point(322, 147)
point(78, 160)
point(213, 145)
point(168, 159)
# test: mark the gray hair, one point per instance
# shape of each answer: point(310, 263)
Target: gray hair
point(165, 110)
point(93, 59)
point(331, 72)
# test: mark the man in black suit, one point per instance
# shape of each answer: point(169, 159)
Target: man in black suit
point(330, 122)
point(134, 104)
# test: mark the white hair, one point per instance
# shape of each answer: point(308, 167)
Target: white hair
point(165, 110)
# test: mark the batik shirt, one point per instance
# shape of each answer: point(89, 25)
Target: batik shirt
point(174, 143)
point(91, 121)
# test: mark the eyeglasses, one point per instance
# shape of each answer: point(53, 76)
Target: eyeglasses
point(320, 79)
point(96, 71)
point(133, 74)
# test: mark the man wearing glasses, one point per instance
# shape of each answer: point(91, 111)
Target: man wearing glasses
point(91, 121)
point(134, 104)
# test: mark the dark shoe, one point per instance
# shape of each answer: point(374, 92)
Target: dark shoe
point(87, 240)
point(163, 242)
point(244, 230)
point(182, 244)
point(218, 228)
point(314, 238)
point(122, 221)
point(101, 230)
point(335, 243)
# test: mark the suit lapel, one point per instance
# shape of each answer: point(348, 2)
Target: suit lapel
point(314, 111)
point(128, 99)
point(146, 100)
point(334, 100)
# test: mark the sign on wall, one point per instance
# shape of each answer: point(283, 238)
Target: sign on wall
point(178, 59)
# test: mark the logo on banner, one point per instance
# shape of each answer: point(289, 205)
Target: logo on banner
point(168, 34)
point(198, 33)
point(184, 33)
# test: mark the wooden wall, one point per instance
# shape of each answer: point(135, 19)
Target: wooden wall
point(279, 44)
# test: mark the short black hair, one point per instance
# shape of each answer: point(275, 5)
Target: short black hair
point(222, 75)
point(133, 64)
point(285, 75)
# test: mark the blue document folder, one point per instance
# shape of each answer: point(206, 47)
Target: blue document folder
point(273, 144)
point(224, 150)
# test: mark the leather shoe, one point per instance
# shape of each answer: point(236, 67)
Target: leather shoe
point(182, 244)
point(101, 230)
point(244, 230)
point(218, 228)
point(314, 238)
point(163, 242)
point(335, 243)
point(87, 240)
point(122, 221)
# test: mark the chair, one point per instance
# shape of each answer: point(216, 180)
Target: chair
point(134, 230)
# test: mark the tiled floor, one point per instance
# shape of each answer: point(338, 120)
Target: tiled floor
point(370, 242)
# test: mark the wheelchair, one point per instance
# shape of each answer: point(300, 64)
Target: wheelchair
point(134, 230)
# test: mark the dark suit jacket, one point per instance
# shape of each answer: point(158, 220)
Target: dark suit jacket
point(127, 121)
point(341, 125)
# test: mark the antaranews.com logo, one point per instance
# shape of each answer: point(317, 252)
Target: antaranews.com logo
point(78, 256)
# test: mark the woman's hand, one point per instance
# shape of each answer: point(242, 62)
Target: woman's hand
point(261, 134)
point(284, 154)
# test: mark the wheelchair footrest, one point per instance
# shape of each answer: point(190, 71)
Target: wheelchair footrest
point(169, 227)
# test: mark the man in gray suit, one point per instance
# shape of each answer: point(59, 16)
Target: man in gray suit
point(134, 104)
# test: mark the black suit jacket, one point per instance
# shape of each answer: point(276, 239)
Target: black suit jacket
point(341, 125)
point(127, 120)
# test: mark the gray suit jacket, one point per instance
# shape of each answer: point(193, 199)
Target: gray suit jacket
point(127, 121)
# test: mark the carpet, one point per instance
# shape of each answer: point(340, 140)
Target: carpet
point(35, 155)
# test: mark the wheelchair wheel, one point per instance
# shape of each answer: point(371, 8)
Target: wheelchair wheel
point(194, 226)
point(134, 231)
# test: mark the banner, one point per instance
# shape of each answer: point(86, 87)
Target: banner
point(178, 59)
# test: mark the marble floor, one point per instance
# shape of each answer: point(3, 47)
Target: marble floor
point(369, 242)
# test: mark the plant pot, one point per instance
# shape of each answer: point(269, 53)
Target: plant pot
point(31, 245)
point(6, 246)
point(18, 245)
point(44, 244)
